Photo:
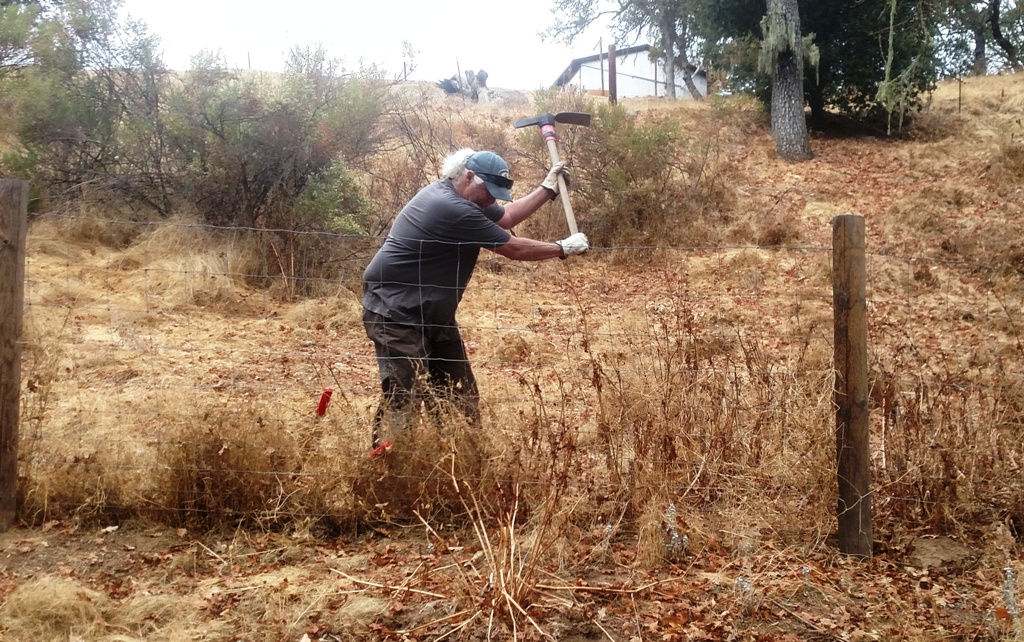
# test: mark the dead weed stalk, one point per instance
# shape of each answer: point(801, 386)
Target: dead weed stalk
point(500, 583)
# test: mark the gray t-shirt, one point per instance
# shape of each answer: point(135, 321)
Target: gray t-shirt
point(421, 271)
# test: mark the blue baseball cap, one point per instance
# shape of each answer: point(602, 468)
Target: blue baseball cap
point(494, 171)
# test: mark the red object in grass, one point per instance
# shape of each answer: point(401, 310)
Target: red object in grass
point(380, 450)
point(325, 399)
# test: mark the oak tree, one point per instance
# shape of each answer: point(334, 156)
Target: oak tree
point(782, 56)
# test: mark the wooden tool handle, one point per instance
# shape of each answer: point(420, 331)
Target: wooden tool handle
point(563, 189)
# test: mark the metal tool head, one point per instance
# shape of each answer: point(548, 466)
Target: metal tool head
point(573, 118)
point(565, 117)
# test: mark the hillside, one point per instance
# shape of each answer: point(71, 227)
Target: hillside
point(658, 454)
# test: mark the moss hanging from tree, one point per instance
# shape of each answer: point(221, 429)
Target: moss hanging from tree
point(779, 36)
point(899, 95)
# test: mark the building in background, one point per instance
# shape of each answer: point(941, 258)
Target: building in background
point(636, 75)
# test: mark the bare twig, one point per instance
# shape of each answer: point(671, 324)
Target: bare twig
point(516, 604)
point(457, 563)
point(459, 627)
point(307, 609)
point(636, 615)
point(609, 589)
point(604, 631)
point(437, 621)
point(390, 588)
point(212, 553)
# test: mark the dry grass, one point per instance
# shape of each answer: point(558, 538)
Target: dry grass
point(643, 406)
point(52, 608)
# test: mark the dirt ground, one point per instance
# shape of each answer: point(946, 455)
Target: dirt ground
point(744, 580)
point(161, 583)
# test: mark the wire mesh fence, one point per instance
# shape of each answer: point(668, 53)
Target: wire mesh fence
point(169, 375)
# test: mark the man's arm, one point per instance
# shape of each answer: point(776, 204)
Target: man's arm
point(520, 209)
point(519, 248)
point(523, 249)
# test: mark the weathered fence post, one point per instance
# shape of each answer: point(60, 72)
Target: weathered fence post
point(849, 297)
point(613, 91)
point(13, 225)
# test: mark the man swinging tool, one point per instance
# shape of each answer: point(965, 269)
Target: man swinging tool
point(413, 285)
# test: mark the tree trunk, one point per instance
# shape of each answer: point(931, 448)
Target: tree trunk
point(683, 39)
point(789, 124)
point(668, 32)
point(816, 101)
point(688, 81)
point(997, 33)
point(977, 20)
point(980, 66)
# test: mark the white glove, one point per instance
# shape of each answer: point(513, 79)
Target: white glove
point(575, 244)
point(551, 181)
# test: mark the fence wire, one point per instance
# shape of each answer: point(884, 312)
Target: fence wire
point(705, 365)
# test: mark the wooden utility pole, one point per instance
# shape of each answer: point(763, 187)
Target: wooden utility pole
point(13, 226)
point(853, 459)
point(613, 96)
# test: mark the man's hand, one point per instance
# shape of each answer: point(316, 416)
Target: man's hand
point(551, 181)
point(575, 244)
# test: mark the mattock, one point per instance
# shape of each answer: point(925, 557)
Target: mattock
point(546, 122)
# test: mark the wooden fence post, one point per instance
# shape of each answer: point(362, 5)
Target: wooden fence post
point(613, 92)
point(13, 227)
point(853, 457)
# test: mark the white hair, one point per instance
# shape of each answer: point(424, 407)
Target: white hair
point(455, 165)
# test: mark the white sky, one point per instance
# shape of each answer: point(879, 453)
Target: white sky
point(498, 37)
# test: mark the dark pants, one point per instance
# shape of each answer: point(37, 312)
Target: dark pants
point(416, 364)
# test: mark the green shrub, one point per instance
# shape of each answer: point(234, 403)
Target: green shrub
point(635, 180)
point(331, 200)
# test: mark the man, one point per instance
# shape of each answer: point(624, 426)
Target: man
point(413, 285)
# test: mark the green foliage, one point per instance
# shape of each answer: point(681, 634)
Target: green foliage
point(853, 44)
point(278, 153)
point(626, 189)
point(959, 23)
point(238, 150)
point(351, 123)
point(99, 115)
point(249, 146)
point(95, 115)
point(634, 181)
point(898, 94)
point(1002, 34)
point(629, 179)
point(17, 27)
point(333, 200)
point(92, 79)
point(851, 37)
